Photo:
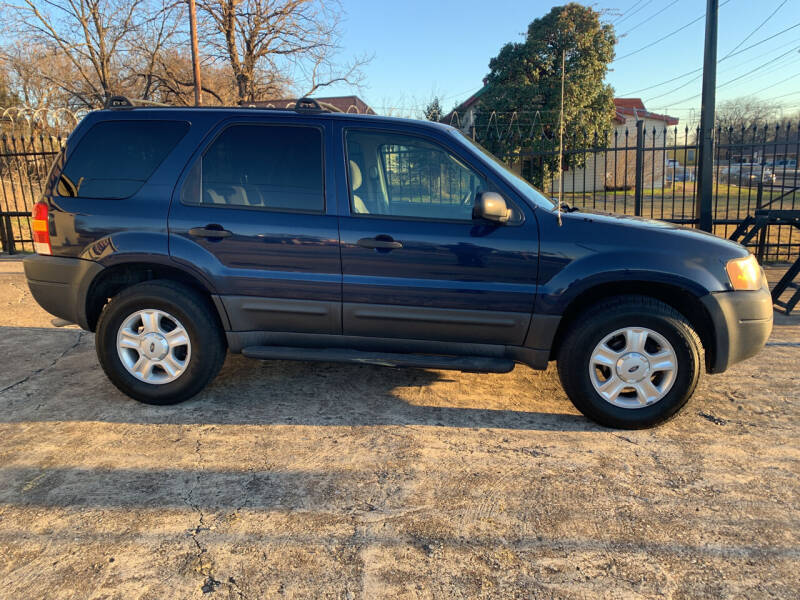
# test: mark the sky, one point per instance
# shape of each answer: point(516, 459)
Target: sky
point(423, 49)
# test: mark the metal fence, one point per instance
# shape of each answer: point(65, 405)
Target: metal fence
point(651, 172)
point(24, 164)
point(641, 170)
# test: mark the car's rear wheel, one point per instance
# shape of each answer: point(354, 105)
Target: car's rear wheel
point(630, 362)
point(160, 342)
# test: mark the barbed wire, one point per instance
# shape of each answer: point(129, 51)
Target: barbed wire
point(504, 126)
point(485, 125)
point(45, 118)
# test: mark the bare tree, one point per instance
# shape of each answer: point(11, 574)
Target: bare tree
point(271, 45)
point(107, 46)
point(34, 74)
point(173, 80)
point(737, 118)
point(147, 51)
point(7, 97)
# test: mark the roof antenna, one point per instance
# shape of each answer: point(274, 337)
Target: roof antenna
point(561, 140)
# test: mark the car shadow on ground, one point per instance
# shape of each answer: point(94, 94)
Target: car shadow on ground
point(64, 382)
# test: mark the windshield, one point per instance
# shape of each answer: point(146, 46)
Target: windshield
point(517, 182)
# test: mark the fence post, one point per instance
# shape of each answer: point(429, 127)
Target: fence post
point(762, 236)
point(3, 242)
point(639, 172)
point(7, 234)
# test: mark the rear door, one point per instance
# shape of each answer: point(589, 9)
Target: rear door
point(415, 264)
point(252, 211)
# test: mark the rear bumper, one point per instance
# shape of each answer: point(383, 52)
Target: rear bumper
point(742, 323)
point(60, 285)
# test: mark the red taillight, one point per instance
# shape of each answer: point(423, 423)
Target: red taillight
point(41, 229)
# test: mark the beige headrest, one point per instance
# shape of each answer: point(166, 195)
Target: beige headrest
point(355, 175)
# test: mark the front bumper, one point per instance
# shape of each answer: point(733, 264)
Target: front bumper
point(742, 323)
point(60, 285)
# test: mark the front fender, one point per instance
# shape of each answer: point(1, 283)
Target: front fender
point(697, 275)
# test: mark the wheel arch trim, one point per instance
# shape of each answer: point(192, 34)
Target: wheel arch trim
point(120, 272)
point(687, 300)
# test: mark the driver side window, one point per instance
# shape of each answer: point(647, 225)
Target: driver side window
point(406, 176)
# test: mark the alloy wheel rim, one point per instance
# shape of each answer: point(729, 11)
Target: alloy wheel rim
point(154, 346)
point(633, 367)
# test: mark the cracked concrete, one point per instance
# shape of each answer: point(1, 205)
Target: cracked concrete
point(292, 480)
point(78, 337)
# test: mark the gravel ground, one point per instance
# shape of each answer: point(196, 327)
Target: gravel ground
point(292, 480)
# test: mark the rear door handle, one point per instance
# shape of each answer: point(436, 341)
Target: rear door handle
point(380, 242)
point(210, 231)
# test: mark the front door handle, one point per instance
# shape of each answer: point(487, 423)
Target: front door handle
point(381, 242)
point(210, 231)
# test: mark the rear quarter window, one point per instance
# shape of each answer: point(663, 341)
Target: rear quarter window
point(260, 166)
point(115, 158)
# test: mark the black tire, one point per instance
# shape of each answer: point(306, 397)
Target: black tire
point(601, 320)
point(196, 314)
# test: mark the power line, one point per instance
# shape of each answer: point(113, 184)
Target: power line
point(470, 91)
point(421, 105)
point(675, 89)
point(729, 55)
point(771, 85)
point(630, 14)
point(732, 54)
point(783, 95)
point(661, 39)
point(762, 65)
point(743, 75)
point(650, 87)
point(749, 35)
point(635, 4)
point(650, 18)
point(693, 79)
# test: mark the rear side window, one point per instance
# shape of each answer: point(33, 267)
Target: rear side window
point(273, 167)
point(115, 158)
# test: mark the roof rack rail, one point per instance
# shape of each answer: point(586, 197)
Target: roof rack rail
point(309, 105)
point(125, 102)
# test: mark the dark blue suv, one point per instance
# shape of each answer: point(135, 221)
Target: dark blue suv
point(178, 234)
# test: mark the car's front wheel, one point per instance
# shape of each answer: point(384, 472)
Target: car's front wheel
point(630, 362)
point(159, 342)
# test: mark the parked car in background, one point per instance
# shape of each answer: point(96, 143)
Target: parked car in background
point(179, 234)
point(678, 175)
point(788, 163)
point(673, 164)
point(746, 174)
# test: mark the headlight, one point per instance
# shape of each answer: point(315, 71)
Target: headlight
point(745, 273)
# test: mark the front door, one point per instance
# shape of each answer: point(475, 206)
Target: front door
point(251, 213)
point(415, 264)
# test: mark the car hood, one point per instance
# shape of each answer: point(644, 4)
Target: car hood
point(685, 238)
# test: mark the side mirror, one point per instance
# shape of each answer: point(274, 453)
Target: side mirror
point(492, 207)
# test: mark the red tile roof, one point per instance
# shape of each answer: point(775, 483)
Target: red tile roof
point(634, 107)
point(624, 107)
point(345, 104)
point(629, 103)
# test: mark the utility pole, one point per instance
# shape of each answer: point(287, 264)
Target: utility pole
point(198, 89)
point(561, 137)
point(705, 171)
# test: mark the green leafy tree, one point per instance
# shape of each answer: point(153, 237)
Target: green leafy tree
point(525, 79)
point(433, 112)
